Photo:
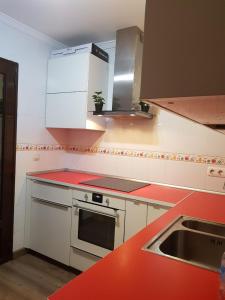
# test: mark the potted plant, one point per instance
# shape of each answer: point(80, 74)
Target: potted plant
point(144, 106)
point(98, 100)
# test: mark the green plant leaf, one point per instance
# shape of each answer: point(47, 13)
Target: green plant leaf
point(97, 97)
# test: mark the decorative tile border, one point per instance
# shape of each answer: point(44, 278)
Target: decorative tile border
point(39, 147)
point(195, 158)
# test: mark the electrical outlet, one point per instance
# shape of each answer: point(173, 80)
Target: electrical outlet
point(216, 172)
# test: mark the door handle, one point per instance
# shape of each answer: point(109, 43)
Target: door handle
point(116, 215)
point(50, 203)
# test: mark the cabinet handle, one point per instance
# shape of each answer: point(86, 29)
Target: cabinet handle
point(158, 206)
point(155, 205)
point(51, 203)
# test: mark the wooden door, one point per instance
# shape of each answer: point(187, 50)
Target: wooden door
point(8, 113)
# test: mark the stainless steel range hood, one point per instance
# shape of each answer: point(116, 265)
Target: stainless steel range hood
point(127, 74)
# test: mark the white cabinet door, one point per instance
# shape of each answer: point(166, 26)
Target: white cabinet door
point(68, 73)
point(155, 211)
point(51, 192)
point(50, 230)
point(136, 218)
point(66, 110)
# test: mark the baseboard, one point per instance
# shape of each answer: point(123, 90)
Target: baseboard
point(19, 253)
point(54, 262)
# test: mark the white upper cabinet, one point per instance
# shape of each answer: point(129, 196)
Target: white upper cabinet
point(68, 73)
point(72, 80)
point(68, 110)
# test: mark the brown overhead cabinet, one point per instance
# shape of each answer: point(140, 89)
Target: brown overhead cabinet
point(184, 58)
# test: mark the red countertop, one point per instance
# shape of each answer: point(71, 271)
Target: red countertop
point(151, 192)
point(66, 176)
point(131, 273)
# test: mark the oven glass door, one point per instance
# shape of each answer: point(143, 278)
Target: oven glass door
point(97, 229)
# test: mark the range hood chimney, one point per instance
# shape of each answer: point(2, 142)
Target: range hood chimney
point(127, 74)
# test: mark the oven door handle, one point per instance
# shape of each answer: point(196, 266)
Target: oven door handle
point(115, 215)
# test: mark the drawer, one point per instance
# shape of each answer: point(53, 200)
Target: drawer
point(51, 192)
point(81, 260)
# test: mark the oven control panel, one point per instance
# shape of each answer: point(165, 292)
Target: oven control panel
point(99, 199)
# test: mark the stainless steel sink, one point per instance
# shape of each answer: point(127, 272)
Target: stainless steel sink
point(193, 241)
point(208, 227)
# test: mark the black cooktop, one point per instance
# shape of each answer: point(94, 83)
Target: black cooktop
point(117, 184)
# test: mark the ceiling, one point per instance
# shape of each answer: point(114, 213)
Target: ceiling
point(74, 22)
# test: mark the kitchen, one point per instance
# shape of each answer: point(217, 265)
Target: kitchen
point(167, 149)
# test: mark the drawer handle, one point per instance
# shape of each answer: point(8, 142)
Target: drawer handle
point(156, 206)
point(51, 203)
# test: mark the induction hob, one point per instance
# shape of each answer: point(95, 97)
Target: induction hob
point(117, 184)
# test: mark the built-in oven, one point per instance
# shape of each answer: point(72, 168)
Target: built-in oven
point(97, 228)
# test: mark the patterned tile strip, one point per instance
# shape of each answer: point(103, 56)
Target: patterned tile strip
point(195, 158)
point(39, 147)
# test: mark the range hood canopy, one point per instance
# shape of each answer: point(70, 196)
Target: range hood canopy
point(127, 75)
point(184, 59)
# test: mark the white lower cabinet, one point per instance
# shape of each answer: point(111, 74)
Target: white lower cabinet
point(49, 221)
point(139, 215)
point(136, 217)
point(155, 211)
point(82, 260)
point(50, 225)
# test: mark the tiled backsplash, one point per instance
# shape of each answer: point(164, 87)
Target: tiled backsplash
point(185, 157)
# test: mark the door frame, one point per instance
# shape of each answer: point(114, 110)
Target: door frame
point(10, 71)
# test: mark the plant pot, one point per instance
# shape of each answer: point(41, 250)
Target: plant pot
point(98, 107)
point(145, 107)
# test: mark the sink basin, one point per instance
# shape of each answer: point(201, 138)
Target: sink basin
point(193, 241)
point(214, 228)
point(194, 247)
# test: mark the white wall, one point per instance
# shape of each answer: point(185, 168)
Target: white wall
point(30, 50)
